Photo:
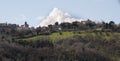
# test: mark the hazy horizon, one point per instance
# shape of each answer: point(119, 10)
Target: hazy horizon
point(35, 11)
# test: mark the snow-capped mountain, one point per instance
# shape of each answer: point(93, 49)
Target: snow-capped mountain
point(57, 16)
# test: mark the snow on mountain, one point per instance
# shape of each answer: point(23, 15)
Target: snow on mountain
point(57, 16)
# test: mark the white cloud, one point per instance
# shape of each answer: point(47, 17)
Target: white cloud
point(57, 16)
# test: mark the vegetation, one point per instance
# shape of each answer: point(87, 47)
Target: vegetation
point(55, 36)
point(90, 47)
point(62, 42)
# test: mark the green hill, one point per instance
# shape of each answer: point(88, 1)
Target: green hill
point(55, 36)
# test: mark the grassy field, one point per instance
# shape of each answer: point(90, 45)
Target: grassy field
point(54, 36)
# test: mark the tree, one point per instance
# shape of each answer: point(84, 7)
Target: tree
point(90, 24)
point(38, 30)
point(66, 25)
point(75, 24)
point(103, 24)
point(106, 25)
point(111, 24)
point(56, 23)
point(50, 27)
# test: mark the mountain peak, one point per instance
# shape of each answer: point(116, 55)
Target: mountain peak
point(56, 15)
point(55, 12)
point(55, 9)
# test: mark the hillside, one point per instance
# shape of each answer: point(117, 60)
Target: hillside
point(57, 35)
point(65, 46)
point(97, 45)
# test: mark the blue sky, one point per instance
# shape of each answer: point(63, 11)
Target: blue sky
point(19, 11)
